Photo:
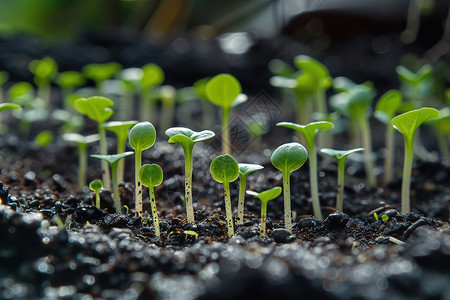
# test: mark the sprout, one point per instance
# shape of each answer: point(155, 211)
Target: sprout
point(113, 160)
point(407, 123)
point(341, 157)
point(225, 169)
point(98, 109)
point(130, 77)
point(120, 128)
point(142, 136)
point(44, 138)
point(385, 110)
point(68, 81)
point(288, 158)
point(187, 138)
point(244, 171)
point(4, 76)
point(151, 176)
point(207, 108)
point(222, 90)
point(101, 72)
point(81, 142)
point(309, 132)
point(265, 197)
point(96, 185)
point(152, 75)
point(167, 94)
point(44, 70)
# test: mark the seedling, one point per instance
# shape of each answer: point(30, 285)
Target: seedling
point(152, 75)
point(222, 90)
point(141, 137)
point(309, 132)
point(151, 176)
point(101, 72)
point(96, 185)
point(167, 94)
point(386, 108)
point(4, 76)
point(98, 109)
point(341, 157)
point(225, 169)
point(113, 161)
point(442, 125)
point(207, 109)
point(244, 171)
point(288, 158)
point(68, 81)
point(187, 138)
point(120, 128)
point(130, 77)
point(82, 142)
point(44, 70)
point(407, 123)
point(44, 138)
point(265, 197)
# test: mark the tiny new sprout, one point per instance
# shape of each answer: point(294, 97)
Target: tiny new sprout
point(408, 123)
point(101, 72)
point(81, 142)
point(225, 169)
point(265, 197)
point(151, 176)
point(244, 171)
point(113, 160)
point(288, 158)
point(385, 110)
point(187, 138)
point(120, 128)
point(309, 132)
point(222, 90)
point(341, 157)
point(44, 70)
point(96, 185)
point(98, 109)
point(141, 137)
point(152, 75)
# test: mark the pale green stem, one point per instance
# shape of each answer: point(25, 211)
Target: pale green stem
point(154, 212)
point(126, 105)
point(229, 213)
point(97, 199)
point(103, 151)
point(314, 181)
point(340, 182)
point(82, 165)
point(443, 145)
point(138, 186)
point(301, 116)
point(242, 185)
point(115, 188)
point(188, 168)
point(167, 114)
point(287, 202)
point(406, 180)
point(121, 146)
point(262, 229)
point(409, 35)
point(147, 107)
point(207, 114)
point(1, 95)
point(225, 131)
point(367, 144)
point(389, 159)
point(44, 91)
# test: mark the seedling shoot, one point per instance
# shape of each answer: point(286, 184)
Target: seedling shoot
point(151, 176)
point(244, 171)
point(265, 197)
point(96, 185)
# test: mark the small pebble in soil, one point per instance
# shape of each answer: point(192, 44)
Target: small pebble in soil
point(336, 220)
point(281, 235)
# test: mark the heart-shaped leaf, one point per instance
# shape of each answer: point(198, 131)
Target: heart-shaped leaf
point(151, 175)
point(289, 157)
point(339, 154)
point(97, 108)
point(309, 131)
point(4, 76)
point(223, 89)
point(407, 123)
point(246, 169)
point(70, 79)
point(268, 195)
point(112, 158)
point(101, 72)
point(407, 76)
point(224, 169)
point(142, 136)
point(152, 75)
point(183, 135)
point(80, 139)
point(388, 105)
point(318, 72)
point(96, 185)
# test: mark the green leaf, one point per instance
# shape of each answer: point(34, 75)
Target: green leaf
point(119, 127)
point(289, 157)
point(101, 72)
point(183, 135)
point(405, 75)
point(151, 175)
point(80, 139)
point(224, 169)
point(44, 138)
point(44, 69)
point(283, 82)
point(280, 68)
point(407, 123)
point(388, 105)
point(342, 84)
point(96, 185)
point(318, 72)
point(200, 87)
point(223, 89)
point(5, 106)
point(268, 195)
point(142, 136)
point(112, 158)
point(4, 76)
point(246, 169)
point(443, 121)
point(152, 75)
point(97, 108)
point(70, 79)
point(339, 154)
point(21, 91)
point(310, 130)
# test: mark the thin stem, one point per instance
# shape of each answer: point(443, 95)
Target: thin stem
point(389, 159)
point(97, 199)
point(121, 145)
point(367, 144)
point(406, 180)
point(229, 213)
point(82, 165)
point(167, 114)
point(154, 212)
point(115, 188)
point(225, 131)
point(314, 181)
point(138, 186)
point(242, 185)
point(103, 151)
point(126, 104)
point(44, 93)
point(287, 202)
point(188, 168)
point(409, 35)
point(443, 145)
point(147, 107)
point(340, 182)
point(262, 230)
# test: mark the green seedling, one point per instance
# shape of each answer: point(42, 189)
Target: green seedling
point(225, 169)
point(120, 129)
point(151, 176)
point(96, 185)
point(141, 137)
point(341, 157)
point(101, 72)
point(167, 95)
point(309, 132)
point(288, 158)
point(187, 138)
point(7, 106)
point(44, 70)
point(82, 142)
point(222, 90)
point(386, 108)
point(113, 160)
point(4, 76)
point(152, 76)
point(407, 123)
point(130, 77)
point(98, 109)
point(44, 138)
point(68, 81)
point(355, 101)
point(244, 171)
point(207, 108)
point(442, 125)
point(265, 197)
